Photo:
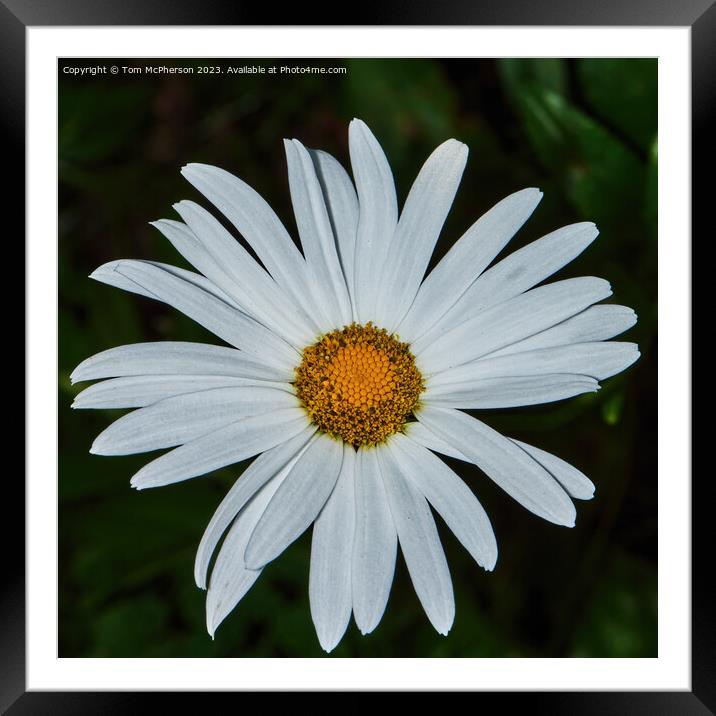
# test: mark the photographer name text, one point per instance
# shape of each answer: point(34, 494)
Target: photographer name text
point(92, 70)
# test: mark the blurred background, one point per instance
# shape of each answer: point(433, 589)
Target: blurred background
point(583, 131)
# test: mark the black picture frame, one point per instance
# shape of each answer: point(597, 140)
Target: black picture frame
point(699, 15)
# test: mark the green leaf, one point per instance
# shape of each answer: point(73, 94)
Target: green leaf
point(623, 92)
point(547, 73)
point(599, 175)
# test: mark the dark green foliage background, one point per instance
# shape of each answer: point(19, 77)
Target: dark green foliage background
point(584, 131)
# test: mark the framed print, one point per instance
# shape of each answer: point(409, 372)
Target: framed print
point(391, 336)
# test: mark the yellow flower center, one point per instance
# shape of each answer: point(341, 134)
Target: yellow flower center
point(358, 384)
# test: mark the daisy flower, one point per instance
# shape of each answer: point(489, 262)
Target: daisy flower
point(347, 370)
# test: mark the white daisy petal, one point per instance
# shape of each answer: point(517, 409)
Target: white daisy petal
point(233, 443)
point(466, 260)
point(504, 462)
point(420, 544)
point(509, 322)
point(598, 360)
point(450, 496)
point(378, 215)
point(183, 418)
point(329, 586)
point(297, 502)
point(230, 579)
point(342, 205)
point(216, 253)
point(108, 273)
point(421, 221)
point(257, 222)
point(597, 323)
point(509, 392)
point(316, 232)
point(175, 357)
point(269, 464)
point(572, 480)
point(521, 270)
point(139, 391)
point(188, 245)
point(421, 434)
point(221, 319)
point(375, 543)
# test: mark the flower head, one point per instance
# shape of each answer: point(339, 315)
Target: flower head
point(346, 371)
